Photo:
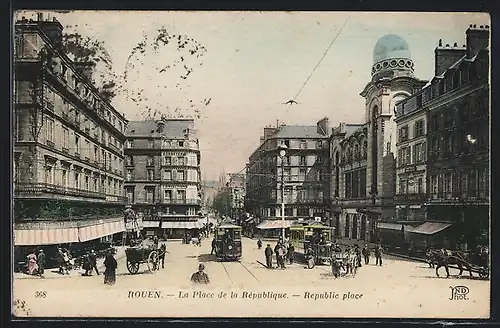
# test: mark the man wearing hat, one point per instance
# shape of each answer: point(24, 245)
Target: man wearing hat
point(200, 277)
point(41, 262)
point(93, 261)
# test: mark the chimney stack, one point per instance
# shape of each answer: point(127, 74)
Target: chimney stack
point(477, 39)
point(53, 29)
point(446, 56)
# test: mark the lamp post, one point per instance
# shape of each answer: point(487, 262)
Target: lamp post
point(282, 152)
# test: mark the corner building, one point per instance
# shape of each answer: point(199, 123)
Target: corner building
point(356, 213)
point(163, 175)
point(68, 147)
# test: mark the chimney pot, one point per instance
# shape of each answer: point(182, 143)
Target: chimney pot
point(455, 45)
point(481, 26)
point(470, 25)
point(447, 45)
point(463, 46)
point(486, 26)
point(54, 19)
point(474, 25)
point(440, 43)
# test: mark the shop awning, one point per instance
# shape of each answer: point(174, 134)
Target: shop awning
point(150, 224)
point(275, 224)
point(100, 230)
point(29, 237)
point(429, 228)
point(389, 226)
point(181, 225)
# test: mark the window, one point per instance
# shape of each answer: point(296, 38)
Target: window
point(49, 174)
point(130, 174)
point(167, 195)
point(303, 144)
point(419, 128)
point(130, 194)
point(181, 194)
point(302, 161)
point(302, 174)
point(64, 178)
point(151, 175)
point(65, 145)
point(77, 144)
point(87, 150)
point(181, 143)
point(447, 182)
point(180, 176)
point(150, 195)
point(150, 161)
point(403, 188)
point(168, 160)
point(168, 175)
point(49, 135)
point(420, 186)
point(87, 182)
point(403, 133)
point(286, 174)
point(77, 180)
point(319, 144)
point(181, 160)
point(129, 144)
point(151, 143)
point(129, 160)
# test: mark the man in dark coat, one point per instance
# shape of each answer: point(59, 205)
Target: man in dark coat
point(259, 244)
point(290, 253)
point(269, 256)
point(161, 256)
point(358, 256)
point(110, 272)
point(366, 254)
point(200, 277)
point(87, 264)
point(378, 255)
point(93, 262)
point(41, 262)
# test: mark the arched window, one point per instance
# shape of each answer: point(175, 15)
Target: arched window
point(337, 158)
point(365, 149)
point(349, 155)
point(356, 153)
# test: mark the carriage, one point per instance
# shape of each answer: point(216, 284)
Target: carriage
point(144, 253)
point(228, 242)
point(316, 236)
point(472, 262)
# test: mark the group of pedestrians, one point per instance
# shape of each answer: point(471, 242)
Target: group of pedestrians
point(36, 263)
point(283, 251)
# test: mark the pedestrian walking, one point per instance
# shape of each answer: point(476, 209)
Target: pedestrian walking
point(259, 244)
point(378, 255)
point(269, 256)
point(161, 256)
point(281, 256)
point(32, 263)
point(41, 263)
point(290, 253)
point(358, 255)
point(110, 273)
point(366, 254)
point(87, 264)
point(200, 277)
point(93, 262)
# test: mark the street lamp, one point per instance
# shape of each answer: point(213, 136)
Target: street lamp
point(282, 152)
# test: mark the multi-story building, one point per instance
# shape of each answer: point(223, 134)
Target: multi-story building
point(236, 185)
point(68, 145)
point(458, 173)
point(163, 176)
point(304, 169)
point(357, 213)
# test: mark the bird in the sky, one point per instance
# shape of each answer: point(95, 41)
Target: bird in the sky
point(290, 102)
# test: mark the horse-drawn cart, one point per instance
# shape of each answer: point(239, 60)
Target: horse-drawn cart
point(472, 262)
point(145, 252)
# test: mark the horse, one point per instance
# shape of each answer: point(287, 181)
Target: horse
point(444, 258)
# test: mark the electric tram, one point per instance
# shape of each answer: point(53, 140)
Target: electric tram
point(314, 235)
point(228, 242)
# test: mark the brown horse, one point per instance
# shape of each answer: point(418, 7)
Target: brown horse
point(443, 258)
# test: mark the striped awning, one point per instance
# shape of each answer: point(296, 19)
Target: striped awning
point(181, 225)
point(29, 237)
point(275, 224)
point(96, 231)
point(429, 228)
point(389, 226)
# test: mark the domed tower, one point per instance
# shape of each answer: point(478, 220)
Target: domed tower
point(391, 58)
point(392, 80)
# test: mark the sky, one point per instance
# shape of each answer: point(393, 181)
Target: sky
point(253, 63)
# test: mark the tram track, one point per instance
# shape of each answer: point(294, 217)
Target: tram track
point(225, 266)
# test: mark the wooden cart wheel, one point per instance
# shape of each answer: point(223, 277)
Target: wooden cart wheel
point(133, 267)
point(484, 273)
point(152, 261)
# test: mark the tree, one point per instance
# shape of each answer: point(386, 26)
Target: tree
point(222, 202)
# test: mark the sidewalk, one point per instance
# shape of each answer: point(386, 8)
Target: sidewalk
point(53, 273)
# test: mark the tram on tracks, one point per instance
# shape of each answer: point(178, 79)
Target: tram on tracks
point(314, 235)
point(228, 242)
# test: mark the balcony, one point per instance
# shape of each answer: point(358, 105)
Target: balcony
point(459, 197)
point(116, 199)
point(50, 105)
point(50, 144)
point(39, 189)
point(419, 197)
point(180, 201)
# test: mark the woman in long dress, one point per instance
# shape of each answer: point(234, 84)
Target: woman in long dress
point(110, 272)
point(32, 263)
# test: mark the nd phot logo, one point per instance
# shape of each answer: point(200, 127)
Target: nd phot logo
point(459, 293)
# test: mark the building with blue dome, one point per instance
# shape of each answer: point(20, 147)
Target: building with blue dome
point(392, 54)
